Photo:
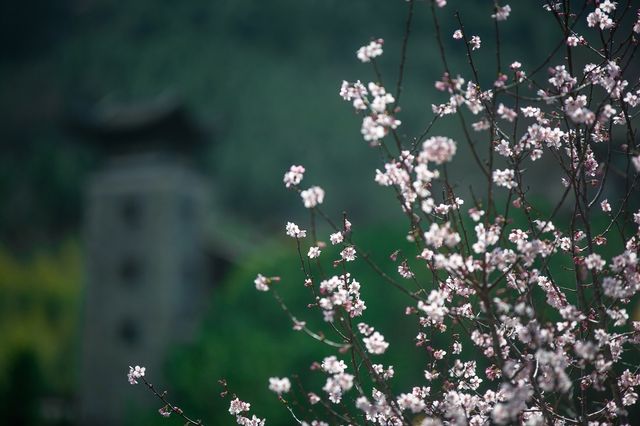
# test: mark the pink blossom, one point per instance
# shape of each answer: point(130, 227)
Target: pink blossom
point(502, 13)
point(504, 178)
point(314, 252)
point(370, 51)
point(293, 176)
point(336, 238)
point(312, 196)
point(437, 149)
point(348, 254)
point(135, 373)
point(475, 42)
point(279, 385)
point(294, 231)
point(237, 406)
point(262, 283)
point(375, 343)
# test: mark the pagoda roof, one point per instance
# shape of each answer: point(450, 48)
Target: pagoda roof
point(163, 122)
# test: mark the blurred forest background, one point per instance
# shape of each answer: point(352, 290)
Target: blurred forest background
point(262, 79)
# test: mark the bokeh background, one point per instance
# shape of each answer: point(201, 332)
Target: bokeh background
point(178, 119)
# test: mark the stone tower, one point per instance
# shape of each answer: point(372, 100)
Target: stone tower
point(147, 271)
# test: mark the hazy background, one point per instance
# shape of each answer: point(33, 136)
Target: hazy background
point(261, 80)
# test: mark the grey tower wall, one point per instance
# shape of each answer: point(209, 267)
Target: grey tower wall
point(146, 276)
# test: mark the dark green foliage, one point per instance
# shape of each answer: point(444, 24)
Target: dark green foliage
point(19, 398)
point(262, 76)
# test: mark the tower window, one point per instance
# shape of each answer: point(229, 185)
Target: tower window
point(130, 271)
point(129, 332)
point(131, 211)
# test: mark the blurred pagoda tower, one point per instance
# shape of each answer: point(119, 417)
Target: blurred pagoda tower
point(148, 263)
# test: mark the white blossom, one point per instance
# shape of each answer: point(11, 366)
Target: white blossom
point(279, 385)
point(294, 231)
point(370, 51)
point(314, 252)
point(135, 373)
point(502, 13)
point(312, 196)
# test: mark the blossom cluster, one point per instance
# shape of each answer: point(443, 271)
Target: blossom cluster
point(374, 100)
point(135, 373)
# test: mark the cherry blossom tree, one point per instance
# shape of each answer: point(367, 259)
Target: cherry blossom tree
point(559, 352)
